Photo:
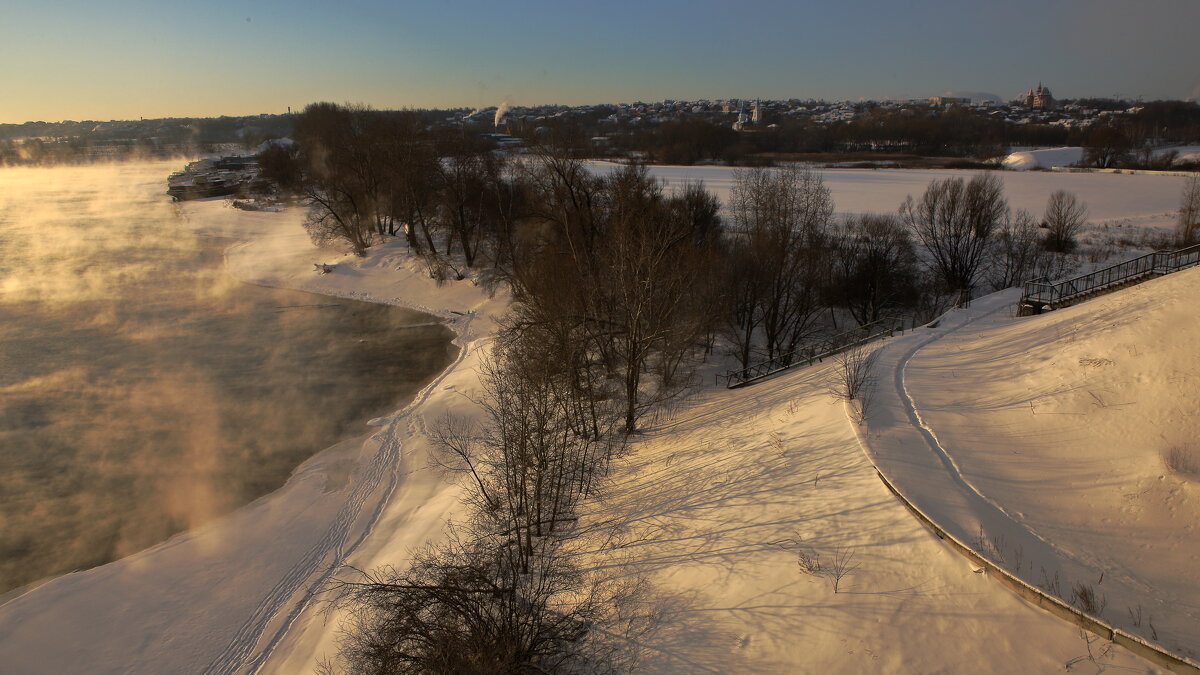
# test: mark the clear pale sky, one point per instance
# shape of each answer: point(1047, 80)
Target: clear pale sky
point(124, 59)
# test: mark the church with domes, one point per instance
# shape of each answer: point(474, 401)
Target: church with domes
point(1039, 98)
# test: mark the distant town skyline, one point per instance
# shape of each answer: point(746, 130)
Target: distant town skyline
point(131, 58)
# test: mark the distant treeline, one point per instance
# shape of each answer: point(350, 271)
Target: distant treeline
point(876, 133)
point(914, 131)
point(37, 143)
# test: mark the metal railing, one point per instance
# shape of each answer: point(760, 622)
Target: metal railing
point(814, 352)
point(1039, 294)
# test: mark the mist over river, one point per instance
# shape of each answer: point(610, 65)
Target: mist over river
point(142, 390)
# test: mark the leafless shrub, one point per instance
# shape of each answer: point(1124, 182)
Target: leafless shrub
point(464, 608)
point(1135, 617)
point(442, 268)
point(809, 562)
point(1155, 239)
point(1087, 599)
point(1018, 558)
point(996, 549)
point(854, 379)
point(1100, 253)
point(1051, 584)
point(777, 445)
point(1183, 461)
point(843, 563)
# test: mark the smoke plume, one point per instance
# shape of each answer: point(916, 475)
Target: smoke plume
point(500, 113)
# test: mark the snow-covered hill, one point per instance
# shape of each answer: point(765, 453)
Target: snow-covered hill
point(1088, 440)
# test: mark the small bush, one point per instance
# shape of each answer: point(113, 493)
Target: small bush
point(854, 373)
point(854, 378)
point(1183, 461)
point(1087, 599)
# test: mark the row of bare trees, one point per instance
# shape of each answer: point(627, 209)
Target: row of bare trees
point(970, 235)
point(367, 175)
point(501, 595)
point(631, 278)
point(613, 274)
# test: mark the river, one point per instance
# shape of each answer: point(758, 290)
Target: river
point(143, 391)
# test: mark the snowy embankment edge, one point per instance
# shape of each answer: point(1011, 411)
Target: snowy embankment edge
point(1052, 604)
point(262, 634)
point(385, 435)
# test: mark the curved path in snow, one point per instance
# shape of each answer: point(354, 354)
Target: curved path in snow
point(908, 452)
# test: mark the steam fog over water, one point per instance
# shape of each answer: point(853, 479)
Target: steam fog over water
point(143, 391)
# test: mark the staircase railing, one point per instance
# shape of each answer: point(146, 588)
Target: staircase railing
point(1039, 294)
point(813, 352)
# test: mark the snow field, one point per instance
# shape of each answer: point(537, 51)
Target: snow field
point(1131, 200)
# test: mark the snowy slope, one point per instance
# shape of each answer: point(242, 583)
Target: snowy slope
point(719, 500)
point(1072, 442)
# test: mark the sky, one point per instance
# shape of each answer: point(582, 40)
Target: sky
point(125, 59)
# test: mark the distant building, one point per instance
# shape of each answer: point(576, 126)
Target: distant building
point(1039, 98)
point(742, 117)
point(745, 117)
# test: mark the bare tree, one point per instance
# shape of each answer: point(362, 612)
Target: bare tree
point(1187, 227)
point(844, 563)
point(652, 265)
point(1016, 251)
point(955, 222)
point(781, 221)
point(461, 449)
point(614, 277)
point(1065, 216)
point(344, 177)
point(466, 170)
point(1106, 146)
point(874, 266)
point(411, 164)
point(1019, 254)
